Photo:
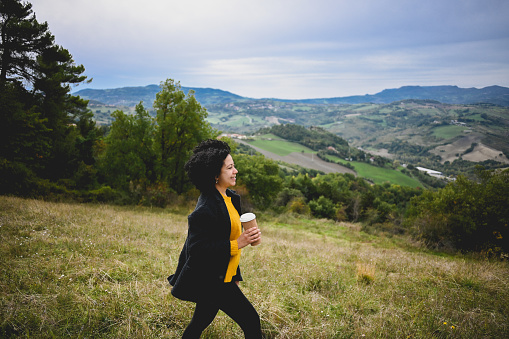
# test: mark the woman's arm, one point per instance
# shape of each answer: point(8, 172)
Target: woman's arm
point(206, 238)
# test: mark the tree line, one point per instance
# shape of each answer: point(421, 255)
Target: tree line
point(51, 148)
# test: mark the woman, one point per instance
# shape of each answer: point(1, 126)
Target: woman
point(208, 270)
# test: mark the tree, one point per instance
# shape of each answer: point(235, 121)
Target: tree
point(23, 39)
point(129, 155)
point(323, 208)
point(181, 125)
point(44, 128)
point(55, 71)
point(260, 176)
point(23, 132)
point(305, 184)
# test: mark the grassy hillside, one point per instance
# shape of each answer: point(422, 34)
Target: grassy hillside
point(419, 132)
point(276, 145)
point(423, 124)
point(102, 112)
point(379, 175)
point(97, 271)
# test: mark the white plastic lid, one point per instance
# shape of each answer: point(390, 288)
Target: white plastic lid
point(247, 217)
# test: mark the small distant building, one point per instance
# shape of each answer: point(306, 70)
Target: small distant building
point(233, 136)
point(430, 172)
point(458, 123)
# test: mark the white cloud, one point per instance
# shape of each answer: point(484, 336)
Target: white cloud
point(285, 48)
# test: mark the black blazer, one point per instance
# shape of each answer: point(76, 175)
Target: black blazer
point(204, 258)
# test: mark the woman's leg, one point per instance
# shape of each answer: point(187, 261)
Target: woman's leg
point(203, 315)
point(230, 299)
point(235, 304)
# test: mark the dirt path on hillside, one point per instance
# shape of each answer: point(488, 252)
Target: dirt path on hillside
point(305, 160)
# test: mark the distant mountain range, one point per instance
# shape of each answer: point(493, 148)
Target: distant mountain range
point(130, 96)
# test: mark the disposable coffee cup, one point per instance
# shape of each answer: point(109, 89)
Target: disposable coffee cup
point(248, 221)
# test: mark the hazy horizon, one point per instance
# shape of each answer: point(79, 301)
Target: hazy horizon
point(273, 97)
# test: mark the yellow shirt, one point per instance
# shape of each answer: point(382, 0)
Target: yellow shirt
point(236, 231)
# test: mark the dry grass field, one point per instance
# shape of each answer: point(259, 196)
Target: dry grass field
point(481, 152)
point(99, 271)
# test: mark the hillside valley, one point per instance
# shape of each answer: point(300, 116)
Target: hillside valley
point(292, 156)
point(426, 132)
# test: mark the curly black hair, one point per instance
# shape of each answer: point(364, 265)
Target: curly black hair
point(205, 164)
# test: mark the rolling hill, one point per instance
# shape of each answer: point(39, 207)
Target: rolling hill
point(130, 96)
point(445, 94)
point(422, 128)
point(285, 151)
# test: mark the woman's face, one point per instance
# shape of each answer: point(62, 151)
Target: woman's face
point(228, 175)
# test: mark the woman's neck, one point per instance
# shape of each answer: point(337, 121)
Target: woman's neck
point(221, 189)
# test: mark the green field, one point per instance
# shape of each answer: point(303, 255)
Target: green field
point(102, 113)
point(99, 271)
point(476, 117)
point(216, 118)
point(234, 123)
point(279, 147)
point(377, 174)
point(448, 132)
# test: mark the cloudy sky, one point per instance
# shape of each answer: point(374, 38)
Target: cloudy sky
point(290, 49)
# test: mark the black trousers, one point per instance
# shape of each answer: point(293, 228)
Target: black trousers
point(229, 299)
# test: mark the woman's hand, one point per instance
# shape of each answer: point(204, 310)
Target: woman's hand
point(248, 237)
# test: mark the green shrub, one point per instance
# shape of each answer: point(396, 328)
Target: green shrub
point(19, 180)
point(466, 215)
point(158, 194)
point(16, 178)
point(287, 195)
point(298, 205)
point(323, 208)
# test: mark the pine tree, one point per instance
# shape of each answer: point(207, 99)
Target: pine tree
point(43, 126)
